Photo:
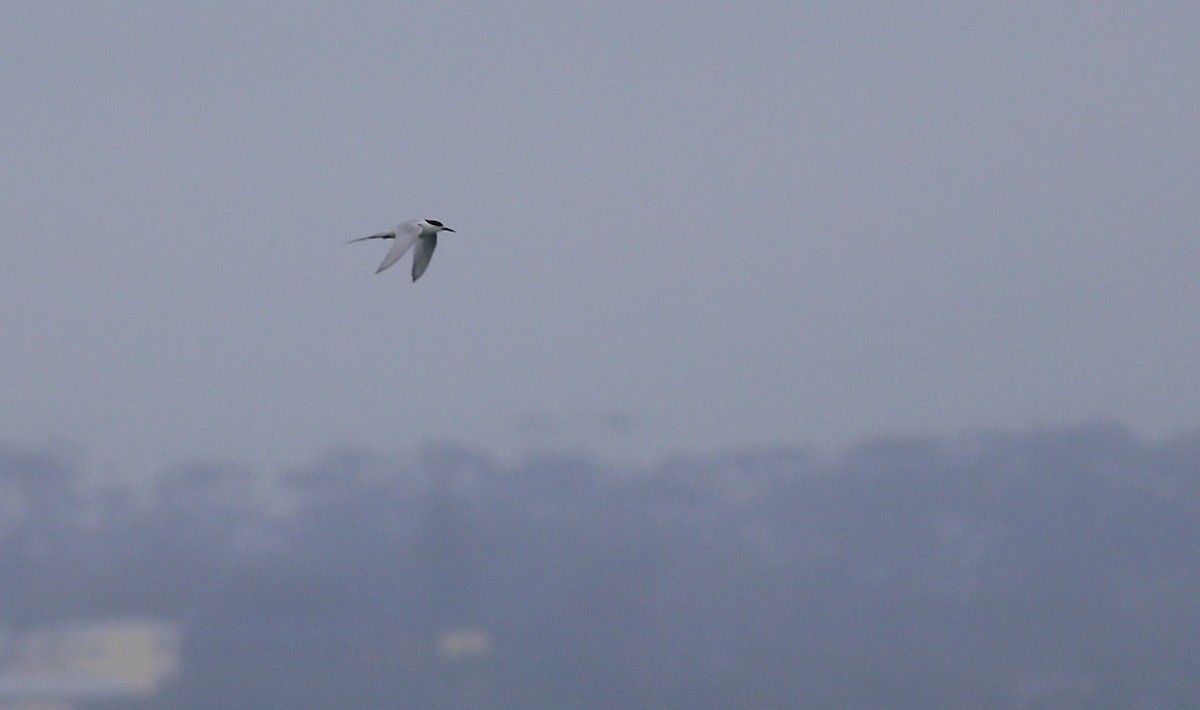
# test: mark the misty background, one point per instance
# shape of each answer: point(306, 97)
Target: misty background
point(794, 223)
point(769, 337)
point(1049, 569)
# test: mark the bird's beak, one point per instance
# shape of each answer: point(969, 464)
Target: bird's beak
point(447, 229)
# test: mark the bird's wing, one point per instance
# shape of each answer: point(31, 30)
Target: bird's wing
point(381, 235)
point(423, 254)
point(406, 235)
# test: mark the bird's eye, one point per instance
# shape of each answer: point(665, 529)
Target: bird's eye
point(435, 223)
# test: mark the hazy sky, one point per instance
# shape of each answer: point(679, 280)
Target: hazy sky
point(785, 222)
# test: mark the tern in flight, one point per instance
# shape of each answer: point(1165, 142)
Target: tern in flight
point(422, 232)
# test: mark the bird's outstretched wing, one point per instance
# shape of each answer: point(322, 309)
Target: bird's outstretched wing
point(423, 254)
point(381, 235)
point(405, 235)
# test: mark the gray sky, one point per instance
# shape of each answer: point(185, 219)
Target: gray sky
point(784, 222)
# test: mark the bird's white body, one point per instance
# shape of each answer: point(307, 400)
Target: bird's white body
point(422, 232)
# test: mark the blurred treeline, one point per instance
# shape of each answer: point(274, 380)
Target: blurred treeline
point(1045, 568)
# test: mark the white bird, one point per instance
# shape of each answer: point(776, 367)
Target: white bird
point(422, 232)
